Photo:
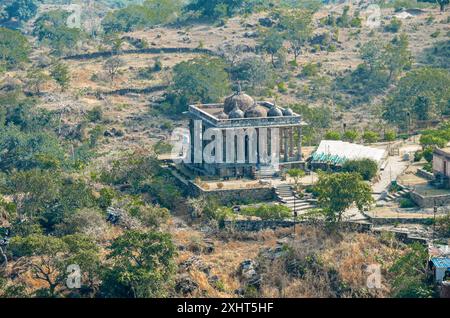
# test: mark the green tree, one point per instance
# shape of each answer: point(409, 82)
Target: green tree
point(337, 192)
point(332, 135)
point(216, 8)
point(350, 135)
point(136, 16)
point(298, 27)
point(199, 80)
point(60, 73)
point(28, 150)
point(143, 265)
point(372, 54)
point(442, 4)
point(33, 191)
point(49, 258)
point(14, 48)
point(430, 140)
point(296, 174)
point(397, 56)
point(370, 136)
point(390, 135)
point(271, 43)
point(51, 27)
point(253, 73)
point(35, 79)
point(365, 167)
point(422, 85)
point(21, 10)
point(409, 274)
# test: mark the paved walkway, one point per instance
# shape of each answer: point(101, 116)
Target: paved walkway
point(394, 168)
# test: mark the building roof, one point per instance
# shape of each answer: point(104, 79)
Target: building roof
point(256, 111)
point(441, 262)
point(337, 152)
point(240, 100)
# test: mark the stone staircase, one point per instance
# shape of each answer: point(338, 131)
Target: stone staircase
point(396, 195)
point(285, 195)
point(265, 172)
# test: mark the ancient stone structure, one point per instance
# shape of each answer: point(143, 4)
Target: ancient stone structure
point(269, 137)
point(441, 167)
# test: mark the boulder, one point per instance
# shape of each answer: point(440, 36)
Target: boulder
point(266, 22)
point(248, 270)
point(185, 285)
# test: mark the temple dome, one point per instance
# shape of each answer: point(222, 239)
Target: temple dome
point(288, 112)
point(256, 111)
point(274, 111)
point(236, 113)
point(222, 115)
point(241, 100)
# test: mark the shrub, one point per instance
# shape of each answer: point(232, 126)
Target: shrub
point(365, 167)
point(443, 225)
point(389, 135)
point(332, 135)
point(351, 135)
point(407, 203)
point(370, 136)
point(310, 69)
point(418, 155)
point(95, 114)
point(394, 26)
point(268, 212)
point(428, 154)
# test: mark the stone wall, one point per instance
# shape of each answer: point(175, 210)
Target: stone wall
point(258, 225)
point(234, 196)
point(165, 50)
point(430, 201)
point(425, 174)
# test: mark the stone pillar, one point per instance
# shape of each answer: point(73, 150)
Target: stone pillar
point(281, 140)
point(285, 138)
point(300, 137)
point(291, 142)
point(258, 160)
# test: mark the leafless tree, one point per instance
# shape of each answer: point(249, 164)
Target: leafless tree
point(112, 66)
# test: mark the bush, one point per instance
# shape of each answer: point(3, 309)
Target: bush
point(86, 221)
point(390, 135)
point(370, 136)
point(350, 135)
point(428, 154)
point(150, 13)
point(268, 212)
point(443, 225)
point(394, 26)
point(14, 48)
point(418, 155)
point(365, 167)
point(332, 135)
point(407, 203)
point(95, 114)
point(310, 69)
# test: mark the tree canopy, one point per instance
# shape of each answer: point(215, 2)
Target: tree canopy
point(423, 94)
point(14, 48)
point(339, 191)
point(143, 265)
point(201, 79)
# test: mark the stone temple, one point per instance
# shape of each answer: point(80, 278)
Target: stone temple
point(278, 132)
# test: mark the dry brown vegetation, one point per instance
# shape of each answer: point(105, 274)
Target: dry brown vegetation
point(335, 265)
